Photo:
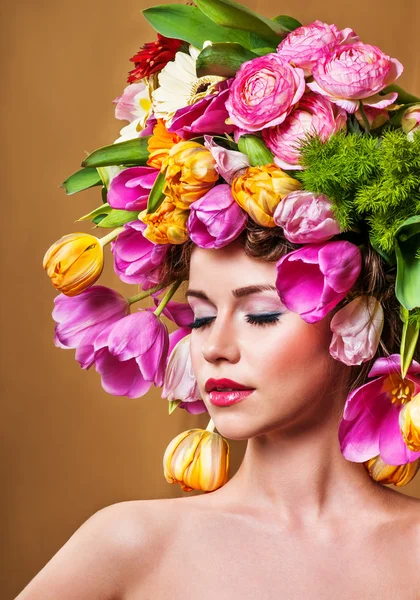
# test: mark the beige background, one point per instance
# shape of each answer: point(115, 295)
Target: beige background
point(69, 448)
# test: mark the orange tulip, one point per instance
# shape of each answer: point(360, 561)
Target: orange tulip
point(398, 475)
point(167, 225)
point(159, 144)
point(190, 173)
point(197, 459)
point(74, 262)
point(260, 189)
point(409, 421)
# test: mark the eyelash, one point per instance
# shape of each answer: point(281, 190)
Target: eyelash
point(266, 319)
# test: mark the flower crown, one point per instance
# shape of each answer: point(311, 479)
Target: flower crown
point(236, 117)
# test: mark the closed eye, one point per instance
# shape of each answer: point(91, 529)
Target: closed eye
point(264, 319)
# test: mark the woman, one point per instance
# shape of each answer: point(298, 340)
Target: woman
point(292, 214)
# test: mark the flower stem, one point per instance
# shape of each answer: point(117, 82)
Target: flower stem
point(211, 426)
point(167, 297)
point(144, 294)
point(111, 236)
point(364, 117)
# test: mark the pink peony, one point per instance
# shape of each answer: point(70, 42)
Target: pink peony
point(131, 354)
point(263, 92)
point(314, 279)
point(357, 329)
point(229, 163)
point(216, 219)
point(180, 382)
point(306, 218)
point(315, 115)
point(355, 73)
point(208, 115)
point(370, 424)
point(130, 189)
point(306, 45)
point(137, 259)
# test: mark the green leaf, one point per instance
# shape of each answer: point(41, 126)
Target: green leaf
point(263, 51)
point(255, 148)
point(173, 405)
point(410, 335)
point(107, 174)
point(222, 59)
point(407, 246)
point(81, 180)
point(288, 23)
point(188, 23)
point(236, 16)
point(130, 152)
point(104, 209)
point(403, 96)
point(116, 218)
point(156, 196)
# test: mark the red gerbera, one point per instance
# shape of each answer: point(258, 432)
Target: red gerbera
point(152, 57)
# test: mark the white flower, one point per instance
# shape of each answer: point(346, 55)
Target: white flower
point(179, 85)
point(135, 106)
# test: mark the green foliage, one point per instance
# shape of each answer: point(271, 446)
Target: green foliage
point(370, 179)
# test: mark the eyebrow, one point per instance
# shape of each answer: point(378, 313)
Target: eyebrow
point(238, 293)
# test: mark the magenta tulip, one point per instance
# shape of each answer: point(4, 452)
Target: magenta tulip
point(314, 279)
point(129, 190)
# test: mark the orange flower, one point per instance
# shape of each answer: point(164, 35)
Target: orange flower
point(159, 144)
point(190, 173)
point(167, 225)
point(74, 262)
point(197, 459)
point(260, 189)
point(399, 475)
point(409, 421)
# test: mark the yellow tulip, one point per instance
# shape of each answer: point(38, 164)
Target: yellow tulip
point(167, 225)
point(197, 459)
point(409, 421)
point(190, 173)
point(74, 262)
point(159, 144)
point(398, 475)
point(260, 189)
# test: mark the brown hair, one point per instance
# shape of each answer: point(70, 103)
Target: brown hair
point(377, 278)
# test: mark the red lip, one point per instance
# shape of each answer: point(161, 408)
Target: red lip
point(211, 384)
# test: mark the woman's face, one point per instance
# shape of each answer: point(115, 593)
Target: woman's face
point(244, 333)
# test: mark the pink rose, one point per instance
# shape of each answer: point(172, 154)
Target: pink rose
point(355, 73)
point(305, 45)
point(314, 115)
point(357, 329)
point(306, 218)
point(263, 92)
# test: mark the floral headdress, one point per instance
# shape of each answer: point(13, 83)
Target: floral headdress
point(235, 117)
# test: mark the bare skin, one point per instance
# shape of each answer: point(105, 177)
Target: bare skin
point(297, 519)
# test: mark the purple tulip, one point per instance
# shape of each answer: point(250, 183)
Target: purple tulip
point(205, 116)
point(129, 190)
point(314, 279)
point(180, 313)
point(80, 319)
point(137, 259)
point(306, 218)
point(370, 424)
point(215, 219)
point(131, 354)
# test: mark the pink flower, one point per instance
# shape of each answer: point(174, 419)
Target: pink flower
point(137, 259)
point(131, 354)
point(355, 73)
point(134, 103)
point(306, 45)
point(216, 219)
point(306, 218)
point(80, 319)
point(376, 117)
point(315, 278)
point(357, 329)
point(370, 424)
point(315, 115)
point(263, 92)
point(180, 382)
point(229, 163)
point(208, 115)
point(410, 121)
point(129, 190)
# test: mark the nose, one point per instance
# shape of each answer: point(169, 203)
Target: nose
point(221, 343)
